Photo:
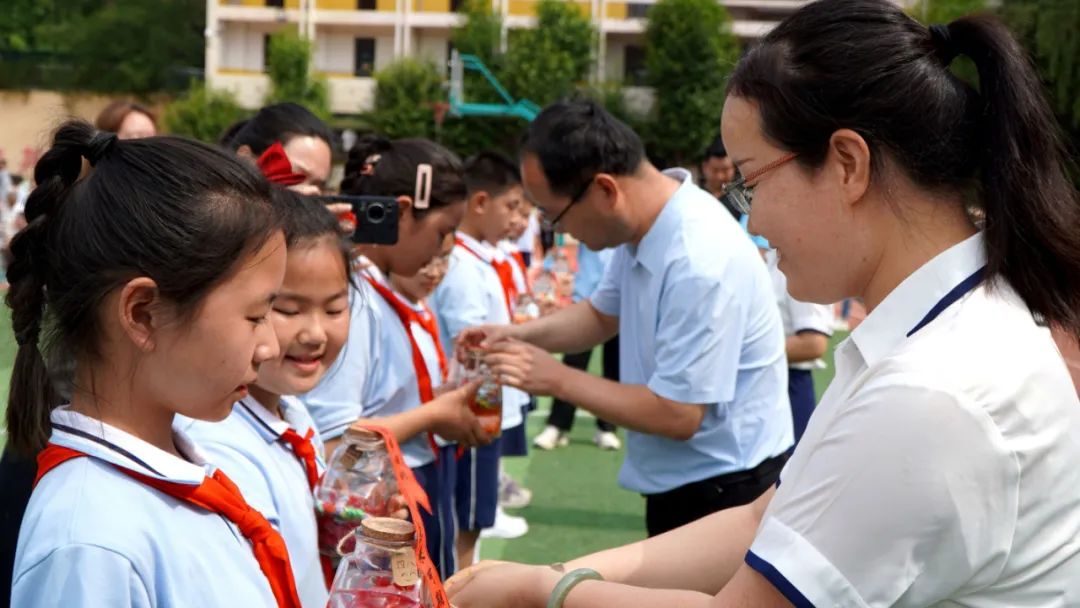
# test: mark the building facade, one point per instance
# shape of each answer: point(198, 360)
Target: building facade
point(355, 38)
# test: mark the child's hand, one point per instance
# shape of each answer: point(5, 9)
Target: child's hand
point(482, 336)
point(453, 420)
point(399, 508)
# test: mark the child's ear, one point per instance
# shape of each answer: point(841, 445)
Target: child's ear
point(478, 202)
point(140, 309)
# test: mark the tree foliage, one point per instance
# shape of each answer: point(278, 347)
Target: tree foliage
point(481, 33)
point(288, 64)
point(202, 113)
point(404, 99)
point(546, 63)
point(689, 53)
point(132, 47)
point(1050, 30)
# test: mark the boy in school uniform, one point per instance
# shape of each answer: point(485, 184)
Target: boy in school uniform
point(513, 495)
point(479, 288)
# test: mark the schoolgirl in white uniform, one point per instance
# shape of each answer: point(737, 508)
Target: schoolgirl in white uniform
point(158, 269)
point(430, 359)
point(427, 182)
point(939, 468)
point(269, 445)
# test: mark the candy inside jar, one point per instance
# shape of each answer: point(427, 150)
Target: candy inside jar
point(381, 571)
point(359, 483)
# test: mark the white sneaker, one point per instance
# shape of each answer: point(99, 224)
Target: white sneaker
point(607, 440)
point(506, 526)
point(513, 495)
point(550, 438)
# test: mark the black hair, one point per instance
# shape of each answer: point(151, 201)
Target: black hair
point(231, 131)
point(175, 210)
point(575, 140)
point(867, 66)
point(277, 123)
point(307, 222)
point(380, 167)
point(492, 172)
point(716, 149)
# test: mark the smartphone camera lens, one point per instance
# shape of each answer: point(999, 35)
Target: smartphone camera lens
point(375, 213)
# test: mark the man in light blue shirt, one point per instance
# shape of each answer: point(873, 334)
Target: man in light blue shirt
point(703, 389)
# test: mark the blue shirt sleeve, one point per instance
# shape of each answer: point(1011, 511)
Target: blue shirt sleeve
point(607, 297)
point(699, 340)
point(80, 576)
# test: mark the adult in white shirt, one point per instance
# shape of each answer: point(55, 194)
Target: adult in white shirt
point(940, 468)
point(807, 329)
point(703, 391)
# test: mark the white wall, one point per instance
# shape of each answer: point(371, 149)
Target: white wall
point(250, 89)
point(242, 45)
point(431, 46)
point(352, 95)
point(615, 60)
point(335, 51)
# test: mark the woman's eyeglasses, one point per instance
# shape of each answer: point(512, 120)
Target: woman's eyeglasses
point(740, 193)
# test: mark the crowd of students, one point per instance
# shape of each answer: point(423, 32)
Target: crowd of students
point(195, 335)
point(279, 333)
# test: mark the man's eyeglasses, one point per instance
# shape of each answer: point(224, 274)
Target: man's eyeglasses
point(740, 193)
point(553, 223)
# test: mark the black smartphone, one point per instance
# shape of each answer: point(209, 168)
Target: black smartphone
point(376, 217)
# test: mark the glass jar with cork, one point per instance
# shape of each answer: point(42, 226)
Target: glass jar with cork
point(359, 483)
point(381, 571)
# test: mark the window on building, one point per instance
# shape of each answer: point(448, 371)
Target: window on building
point(366, 5)
point(637, 10)
point(277, 3)
point(634, 65)
point(455, 5)
point(365, 57)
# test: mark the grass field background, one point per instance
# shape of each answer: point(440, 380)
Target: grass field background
point(577, 505)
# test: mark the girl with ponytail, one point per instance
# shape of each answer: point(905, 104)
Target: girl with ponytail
point(152, 264)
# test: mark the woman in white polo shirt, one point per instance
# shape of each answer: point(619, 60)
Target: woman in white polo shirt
point(941, 467)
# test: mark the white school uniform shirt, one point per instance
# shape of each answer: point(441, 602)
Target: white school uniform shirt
point(429, 350)
point(248, 447)
point(698, 324)
point(470, 294)
point(798, 316)
point(940, 468)
point(94, 537)
point(389, 385)
point(527, 241)
point(506, 251)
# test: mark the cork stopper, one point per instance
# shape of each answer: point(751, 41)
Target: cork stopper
point(362, 434)
point(388, 529)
